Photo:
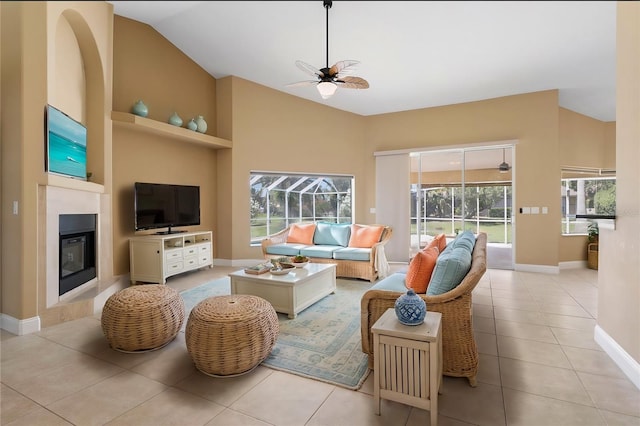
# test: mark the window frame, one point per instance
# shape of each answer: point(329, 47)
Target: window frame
point(302, 185)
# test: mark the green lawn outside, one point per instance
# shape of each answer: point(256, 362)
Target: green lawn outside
point(495, 231)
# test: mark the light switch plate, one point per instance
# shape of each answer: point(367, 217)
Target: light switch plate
point(545, 210)
point(535, 210)
point(526, 210)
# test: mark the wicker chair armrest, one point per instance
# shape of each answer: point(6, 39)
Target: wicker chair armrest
point(277, 238)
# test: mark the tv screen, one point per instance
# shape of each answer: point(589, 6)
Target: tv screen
point(159, 205)
point(66, 145)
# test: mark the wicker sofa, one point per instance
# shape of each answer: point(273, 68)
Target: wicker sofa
point(460, 354)
point(330, 243)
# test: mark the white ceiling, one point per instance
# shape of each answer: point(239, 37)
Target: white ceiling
point(414, 54)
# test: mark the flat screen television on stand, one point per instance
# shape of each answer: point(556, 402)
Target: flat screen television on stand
point(160, 205)
point(66, 145)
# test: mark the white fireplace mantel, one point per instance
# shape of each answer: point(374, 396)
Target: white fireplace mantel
point(58, 201)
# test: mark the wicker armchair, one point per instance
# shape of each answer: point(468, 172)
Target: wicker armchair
point(459, 351)
point(365, 270)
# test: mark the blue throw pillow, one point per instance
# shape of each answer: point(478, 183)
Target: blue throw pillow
point(451, 268)
point(332, 234)
point(466, 239)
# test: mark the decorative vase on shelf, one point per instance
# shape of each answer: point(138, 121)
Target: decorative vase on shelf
point(175, 119)
point(202, 125)
point(191, 125)
point(410, 308)
point(139, 108)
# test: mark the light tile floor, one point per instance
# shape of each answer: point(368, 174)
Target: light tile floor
point(539, 365)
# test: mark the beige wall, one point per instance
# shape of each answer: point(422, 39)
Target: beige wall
point(149, 67)
point(619, 274)
point(584, 142)
point(532, 119)
point(274, 131)
point(31, 32)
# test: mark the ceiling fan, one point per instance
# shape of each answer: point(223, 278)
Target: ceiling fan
point(504, 167)
point(328, 79)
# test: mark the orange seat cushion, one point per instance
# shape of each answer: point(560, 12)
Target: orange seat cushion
point(301, 233)
point(439, 241)
point(421, 268)
point(364, 236)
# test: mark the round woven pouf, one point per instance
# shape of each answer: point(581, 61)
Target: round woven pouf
point(231, 335)
point(142, 317)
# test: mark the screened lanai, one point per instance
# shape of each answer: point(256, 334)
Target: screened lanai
point(278, 200)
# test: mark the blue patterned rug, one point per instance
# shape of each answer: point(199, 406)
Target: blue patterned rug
point(322, 342)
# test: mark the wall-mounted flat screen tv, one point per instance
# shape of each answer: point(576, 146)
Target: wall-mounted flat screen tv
point(159, 205)
point(66, 145)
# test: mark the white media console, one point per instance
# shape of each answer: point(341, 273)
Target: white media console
point(154, 258)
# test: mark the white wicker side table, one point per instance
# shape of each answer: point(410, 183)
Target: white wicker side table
point(408, 362)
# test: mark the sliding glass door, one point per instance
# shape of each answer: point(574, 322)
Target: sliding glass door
point(463, 189)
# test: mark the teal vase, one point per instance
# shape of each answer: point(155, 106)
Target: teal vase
point(139, 108)
point(175, 120)
point(202, 125)
point(410, 308)
point(191, 125)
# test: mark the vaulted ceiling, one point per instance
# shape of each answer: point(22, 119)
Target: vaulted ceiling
point(414, 54)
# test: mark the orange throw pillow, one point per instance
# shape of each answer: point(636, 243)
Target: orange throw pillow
point(439, 241)
point(364, 236)
point(301, 233)
point(421, 268)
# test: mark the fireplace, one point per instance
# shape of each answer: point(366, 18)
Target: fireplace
point(77, 264)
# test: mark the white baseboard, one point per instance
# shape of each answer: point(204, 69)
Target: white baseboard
point(542, 269)
point(575, 264)
point(19, 327)
point(239, 263)
point(627, 364)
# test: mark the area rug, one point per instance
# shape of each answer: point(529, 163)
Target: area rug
point(322, 342)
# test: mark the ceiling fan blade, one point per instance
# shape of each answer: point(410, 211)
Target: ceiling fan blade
point(344, 67)
point(353, 82)
point(302, 83)
point(309, 69)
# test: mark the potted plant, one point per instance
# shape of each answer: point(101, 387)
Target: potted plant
point(592, 232)
point(592, 246)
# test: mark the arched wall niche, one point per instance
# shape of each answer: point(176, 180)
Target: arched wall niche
point(78, 84)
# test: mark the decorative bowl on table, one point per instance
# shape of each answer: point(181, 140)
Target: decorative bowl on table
point(281, 269)
point(299, 261)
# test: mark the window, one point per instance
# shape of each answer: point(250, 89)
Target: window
point(592, 194)
point(277, 200)
point(487, 209)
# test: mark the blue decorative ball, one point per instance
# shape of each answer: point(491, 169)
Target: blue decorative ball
point(410, 308)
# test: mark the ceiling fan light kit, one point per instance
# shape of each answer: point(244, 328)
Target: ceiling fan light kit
point(328, 79)
point(326, 89)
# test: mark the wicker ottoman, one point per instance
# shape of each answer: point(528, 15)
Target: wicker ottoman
point(231, 335)
point(142, 318)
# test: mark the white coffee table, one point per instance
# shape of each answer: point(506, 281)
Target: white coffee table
point(290, 293)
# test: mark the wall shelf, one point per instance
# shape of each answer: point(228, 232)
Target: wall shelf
point(148, 125)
